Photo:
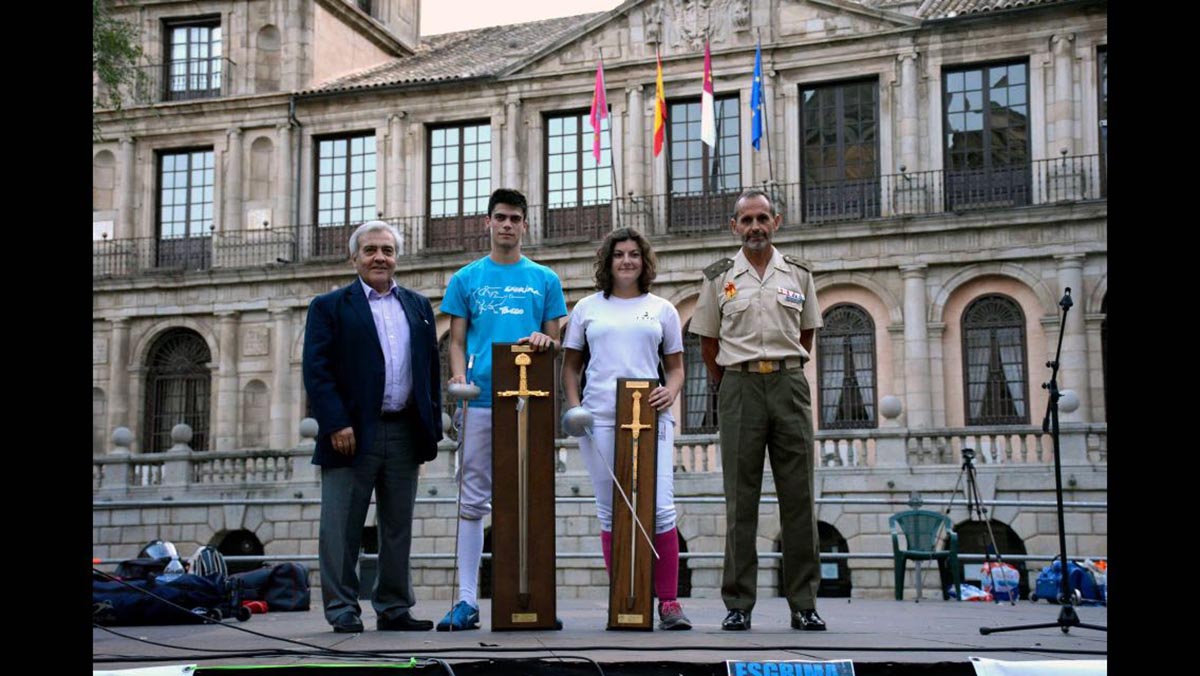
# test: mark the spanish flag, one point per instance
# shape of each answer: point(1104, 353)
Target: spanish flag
point(660, 109)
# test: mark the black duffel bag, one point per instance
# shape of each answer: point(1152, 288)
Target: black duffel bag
point(284, 586)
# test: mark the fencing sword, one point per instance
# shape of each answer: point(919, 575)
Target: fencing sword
point(577, 422)
point(465, 393)
point(635, 427)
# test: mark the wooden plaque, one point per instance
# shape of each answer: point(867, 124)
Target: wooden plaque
point(523, 579)
point(630, 589)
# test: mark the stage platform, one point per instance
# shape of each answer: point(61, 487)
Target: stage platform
point(880, 636)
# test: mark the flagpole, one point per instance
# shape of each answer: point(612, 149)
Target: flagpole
point(761, 100)
point(666, 146)
point(615, 196)
point(716, 147)
point(612, 157)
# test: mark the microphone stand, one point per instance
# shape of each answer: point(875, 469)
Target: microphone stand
point(1067, 617)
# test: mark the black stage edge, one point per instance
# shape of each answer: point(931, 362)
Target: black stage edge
point(568, 667)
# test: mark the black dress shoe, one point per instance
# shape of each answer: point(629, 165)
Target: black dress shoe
point(403, 622)
point(736, 620)
point(347, 623)
point(808, 620)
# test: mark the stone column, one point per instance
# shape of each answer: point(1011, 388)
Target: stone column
point(919, 406)
point(125, 196)
point(232, 185)
point(283, 177)
point(397, 174)
point(636, 162)
point(118, 376)
point(791, 162)
point(281, 381)
point(512, 125)
point(225, 437)
point(937, 373)
point(1073, 367)
point(1061, 111)
point(909, 115)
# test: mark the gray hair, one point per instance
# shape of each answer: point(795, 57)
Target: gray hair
point(372, 226)
point(753, 192)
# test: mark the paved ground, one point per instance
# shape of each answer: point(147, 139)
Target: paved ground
point(865, 631)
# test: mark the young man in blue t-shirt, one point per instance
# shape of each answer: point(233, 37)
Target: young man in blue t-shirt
point(501, 298)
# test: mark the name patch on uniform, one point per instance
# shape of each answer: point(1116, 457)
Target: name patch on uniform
point(789, 296)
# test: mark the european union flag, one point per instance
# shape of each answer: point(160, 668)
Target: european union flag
point(756, 99)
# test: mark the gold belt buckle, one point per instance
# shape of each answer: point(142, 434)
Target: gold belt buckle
point(765, 366)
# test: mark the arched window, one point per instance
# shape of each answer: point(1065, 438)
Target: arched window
point(178, 383)
point(994, 372)
point(699, 402)
point(846, 369)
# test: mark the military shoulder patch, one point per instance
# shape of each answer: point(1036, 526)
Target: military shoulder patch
point(802, 264)
point(717, 268)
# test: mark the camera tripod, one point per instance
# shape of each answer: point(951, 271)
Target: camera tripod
point(976, 510)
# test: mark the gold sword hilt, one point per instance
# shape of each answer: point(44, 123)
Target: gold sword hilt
point(636, 426)
point(523, 361)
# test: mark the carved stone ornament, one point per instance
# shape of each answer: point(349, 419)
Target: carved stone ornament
point(692, 20)
point(652, 20)
point(256, 341)
point(741, 15)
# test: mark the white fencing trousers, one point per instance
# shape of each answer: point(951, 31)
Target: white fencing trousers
point(475, 465)
point(664, 518)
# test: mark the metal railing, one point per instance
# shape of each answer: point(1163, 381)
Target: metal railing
point(183, 80)
point(811, 204)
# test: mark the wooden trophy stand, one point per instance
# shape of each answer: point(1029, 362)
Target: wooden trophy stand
point(523, 400)
point(630, 593)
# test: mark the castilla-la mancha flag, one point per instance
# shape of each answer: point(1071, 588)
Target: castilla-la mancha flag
point(708, 119)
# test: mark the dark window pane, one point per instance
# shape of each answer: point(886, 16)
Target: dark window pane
point(994, 368)
point(846, 369)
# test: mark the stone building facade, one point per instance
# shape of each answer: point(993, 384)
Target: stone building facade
point(941, 163)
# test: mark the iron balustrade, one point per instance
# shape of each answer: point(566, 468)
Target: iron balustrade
point(904, 194)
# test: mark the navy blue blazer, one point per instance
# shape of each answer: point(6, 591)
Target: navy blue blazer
point(344, 371)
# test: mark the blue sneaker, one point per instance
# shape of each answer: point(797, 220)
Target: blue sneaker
point(461, 617)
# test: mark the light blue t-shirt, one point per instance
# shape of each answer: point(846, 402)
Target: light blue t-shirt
point(502, 304)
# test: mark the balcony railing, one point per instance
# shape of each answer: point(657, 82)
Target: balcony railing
point(183, 80)
point(218, 249)
point(812, 204)
point(693, 453)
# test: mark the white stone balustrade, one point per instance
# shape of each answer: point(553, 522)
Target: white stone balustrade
point(694, 454)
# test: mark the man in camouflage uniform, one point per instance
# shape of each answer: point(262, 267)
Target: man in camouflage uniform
point(756, 319)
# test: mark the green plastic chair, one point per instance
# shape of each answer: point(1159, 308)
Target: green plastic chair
point(922, 531)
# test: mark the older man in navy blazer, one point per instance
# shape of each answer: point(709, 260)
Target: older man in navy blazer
point(373, 379)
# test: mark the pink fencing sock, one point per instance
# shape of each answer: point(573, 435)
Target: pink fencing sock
point(606, 547)
point(666, 568)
